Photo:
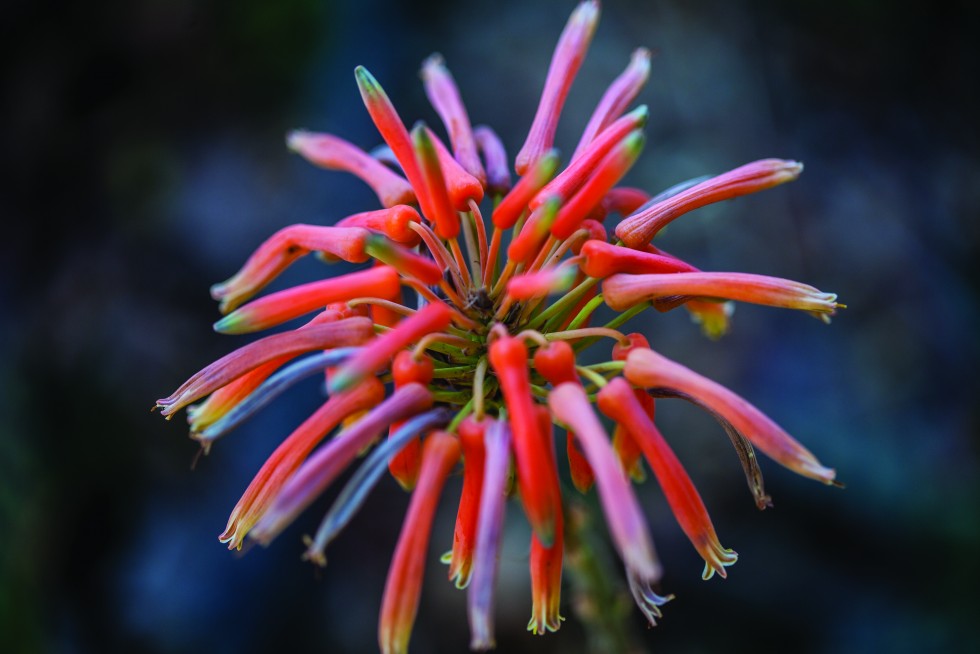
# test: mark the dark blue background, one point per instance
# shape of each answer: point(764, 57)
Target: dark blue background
point(143, 159)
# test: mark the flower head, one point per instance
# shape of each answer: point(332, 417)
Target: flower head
point(481, 364)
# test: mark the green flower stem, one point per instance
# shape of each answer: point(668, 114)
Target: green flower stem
point(615, 323)
point(586, 311)
point(563, 305)
point(453, 372)
point(600, 603)
point(607, 366)
point(460, 416)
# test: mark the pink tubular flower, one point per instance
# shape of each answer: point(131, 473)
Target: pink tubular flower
point(648, 369)
point(570, 405)
point(444, 96)
point(333, 153)
point(459, 335)
point(460, 559)
point(640, 228)
point(623, 291)
point(404, 585)
point(569, 53)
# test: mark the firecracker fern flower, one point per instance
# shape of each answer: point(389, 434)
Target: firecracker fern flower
point(480, 364)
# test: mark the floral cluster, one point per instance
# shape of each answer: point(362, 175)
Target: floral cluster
point(480, 365)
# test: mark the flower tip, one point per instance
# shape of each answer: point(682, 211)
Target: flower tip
point(233, 323)
point(296, 138)
point(366, 81)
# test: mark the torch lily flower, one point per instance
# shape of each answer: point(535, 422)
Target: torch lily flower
point(460, 339)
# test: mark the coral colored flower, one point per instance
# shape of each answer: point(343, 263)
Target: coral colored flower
point(462, 337)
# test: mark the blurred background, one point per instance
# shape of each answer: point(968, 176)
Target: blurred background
point(143, 159)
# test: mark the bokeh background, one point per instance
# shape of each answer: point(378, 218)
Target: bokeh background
point(142, 159)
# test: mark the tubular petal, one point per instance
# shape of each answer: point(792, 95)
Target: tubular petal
point(488, 533)
point(606, 175)
point(439, 208)
point(622, 291)
point(537, 480)
point(317, 472)
point(571, 179)
point(513, 205)
point(334, 153)
point(569, 53)
point(648, 369)
point(471, 438)
point(617, 97)
point(392, 222)
point(401, 596)
point(618, 401)
point(392, 130)
point(460, 184)
point(403, 260)
point(352, 331)
point(277, 308)
point(288, 457)
point(355, 492)
point(281, 249)
point(546, 561)
point(601, 260)
point(498, 174)
point(433, 317)
point(270, 389)
point(570, 405)
point(640, 228)
point(444, 95)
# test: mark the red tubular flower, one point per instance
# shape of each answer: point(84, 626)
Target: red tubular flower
point(404, 261)
point(404, 584)
point(441, 211)
point(541, 283)
point(569, 53)
point(528, 243)
point(512, 206)
point(283, 248)
point(571, 179)
point(623, 291)
point(570, 405)
point(405, 369)
point(333, 153)
point(455, 308)
point(536, 478)
point(392, 130)
point(393, 223)
point(556, 363)
point(460, 559)
point(619, 401)
point(290, 454)
point(601, 260)
point(277, 308)
point(460, 184)
point(617, 98)
point(444, 95)
point(648, 369)
point(433, 318)
point(624, 200)
point(639, 229)
point(546, 561)
point(609, 171)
